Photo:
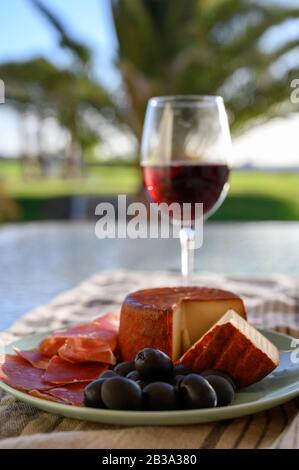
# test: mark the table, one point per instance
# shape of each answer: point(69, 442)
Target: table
point(272, 302)
point(39, 260)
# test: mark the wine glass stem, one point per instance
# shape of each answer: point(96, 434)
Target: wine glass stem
point(187, 252)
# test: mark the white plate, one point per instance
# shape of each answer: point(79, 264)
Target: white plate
point(276, 388)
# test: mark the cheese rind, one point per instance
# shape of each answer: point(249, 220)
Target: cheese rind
point(171, 319)
point(235, 347)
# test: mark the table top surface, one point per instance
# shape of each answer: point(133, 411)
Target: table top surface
point(271, 303)
point(40, 260)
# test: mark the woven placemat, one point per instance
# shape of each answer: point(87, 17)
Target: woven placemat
point(271, 302)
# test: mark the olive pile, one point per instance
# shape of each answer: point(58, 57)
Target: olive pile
point(152, 382)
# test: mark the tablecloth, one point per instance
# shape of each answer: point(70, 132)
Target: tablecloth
point(271, 303)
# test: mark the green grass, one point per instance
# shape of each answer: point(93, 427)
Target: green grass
point(263, 195)
point(254, 195)
point(104, 180)
point(10, 170)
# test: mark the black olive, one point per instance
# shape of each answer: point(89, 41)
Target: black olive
point(208, 372)
point(153, 363)
point(159, 396)
point(180, 369)
point(133, 375)
point(123, 368)
point(92, 394)
point(223, 388)
point(142, 383)
point(178, 378)
point(196, 392)
point(107, 374)
point(120, 393)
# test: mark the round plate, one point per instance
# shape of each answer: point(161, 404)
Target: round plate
point(276, 388)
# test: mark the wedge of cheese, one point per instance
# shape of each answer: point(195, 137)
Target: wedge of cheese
point(171, 319)
point(235, 347)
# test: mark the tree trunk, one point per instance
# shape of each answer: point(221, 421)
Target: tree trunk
point(73, 160)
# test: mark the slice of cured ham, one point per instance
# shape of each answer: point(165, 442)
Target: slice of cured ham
point(71, 394)
point(104, 329)
point(19, 373)
point(60, 371)
point(77, 349)
point(34, 357)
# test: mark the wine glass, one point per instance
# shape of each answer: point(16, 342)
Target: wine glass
point(185, 153)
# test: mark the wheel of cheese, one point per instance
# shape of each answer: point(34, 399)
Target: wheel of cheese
point(171, 319)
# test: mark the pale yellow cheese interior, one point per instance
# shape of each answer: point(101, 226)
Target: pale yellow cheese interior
point(193, 318)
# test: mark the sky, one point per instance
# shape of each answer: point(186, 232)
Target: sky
point(24, 33)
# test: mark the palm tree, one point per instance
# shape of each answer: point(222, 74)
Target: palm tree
point(40, 87)
point(165, 47)
point(205, 47)
point(68, 94)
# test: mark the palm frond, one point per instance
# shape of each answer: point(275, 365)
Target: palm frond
point(203, 47)
point(78, 49)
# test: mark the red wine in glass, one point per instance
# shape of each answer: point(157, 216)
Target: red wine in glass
point(185, 153)
point(183, 183)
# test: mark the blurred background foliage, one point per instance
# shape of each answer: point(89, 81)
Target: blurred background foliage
point(164, 47)
point(203, 47)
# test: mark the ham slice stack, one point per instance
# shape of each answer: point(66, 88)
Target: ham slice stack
point(65, 362)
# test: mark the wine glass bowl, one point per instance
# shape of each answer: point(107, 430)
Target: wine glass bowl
point(185, 155)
